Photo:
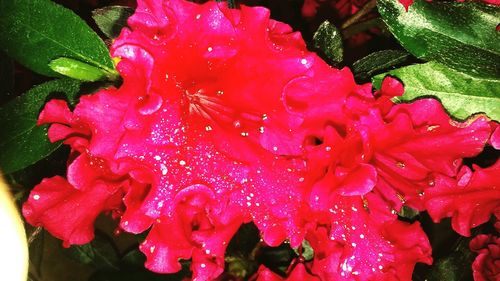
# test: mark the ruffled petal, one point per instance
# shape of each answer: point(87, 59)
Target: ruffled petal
point(470, 201)
point(486, 266)
point(68, 213)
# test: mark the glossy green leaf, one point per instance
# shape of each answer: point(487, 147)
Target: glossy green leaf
point(376, 62)
point(112, 19)
point(328, 39)
point(461, 94)
point(78, 70)
point(22, 142)
point(99, 253)
point(35, 32)
point(462, 36)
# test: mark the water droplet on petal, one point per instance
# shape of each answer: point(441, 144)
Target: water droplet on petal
point(36, 197)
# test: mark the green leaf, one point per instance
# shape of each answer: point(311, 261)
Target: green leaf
point(408, 212)
point(134, 258)
point(328, 39)
point(100, 253)
point(461, 94)
point(79, 70)
point(112, 19)
point(35, 32)
point(6, 77)
point(462, 36)
point(22, 142)
point(376, 62)
point(307, 251)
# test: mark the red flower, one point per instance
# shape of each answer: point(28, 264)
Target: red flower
point(361, 238)
point(221, 114)
point(298, 273)
point(355, 143)
point(194, 140)
point(470, 201)
point(486, 266)
point(343, 8)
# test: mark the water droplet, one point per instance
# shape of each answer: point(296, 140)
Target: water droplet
point(152, 249)
point(261, 130)
point(275, 148)
point(264, 116)
point(125, 223)
point(400, 164)
point(164, 169)
point(36, 197)
point(328, 148)
point(157, 157)
point(219, 93)
point(209, 49)
point(198, 16)
point(208, 128)
point(303, 61)
point(244, 134)
point(182, 162)
point(237, 124)
point(362, 236)
point(354, 209)
point(431, 128)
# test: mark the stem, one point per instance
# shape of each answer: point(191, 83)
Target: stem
point(367, 8)
point(362, 26)
point(34, 234)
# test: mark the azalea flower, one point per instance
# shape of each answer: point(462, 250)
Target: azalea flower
point(470, 201)
point(188, 142)
point(486, 266)
point(224, 117)
point(298, 273)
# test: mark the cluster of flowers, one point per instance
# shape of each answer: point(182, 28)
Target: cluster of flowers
point(224, 117)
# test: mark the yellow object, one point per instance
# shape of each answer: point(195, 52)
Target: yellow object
point(14, 248)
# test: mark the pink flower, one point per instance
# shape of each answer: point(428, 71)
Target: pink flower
point(366, 158)
point(469, 201)
point(356, 143)
point(298, 273)
point(224, 118)
point(196, 141)
point(361, 238)
point(486, 266)
point(342, 8)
